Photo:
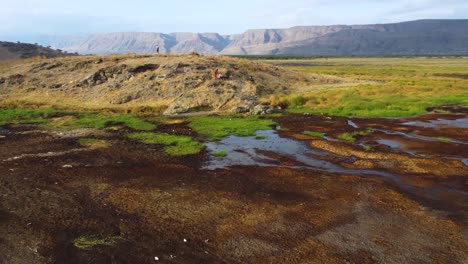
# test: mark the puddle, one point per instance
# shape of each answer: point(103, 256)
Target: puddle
point(395, 145)
point(351, 123)
point(459, 123)
point(414, 136)
point(247, 151)
point(4, 131)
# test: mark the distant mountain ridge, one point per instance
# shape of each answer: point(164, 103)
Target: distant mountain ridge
point(13, 51)
point(421, 37)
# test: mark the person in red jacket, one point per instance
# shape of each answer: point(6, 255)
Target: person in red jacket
point(215, 74)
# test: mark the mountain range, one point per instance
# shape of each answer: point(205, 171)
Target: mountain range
point(421, 37)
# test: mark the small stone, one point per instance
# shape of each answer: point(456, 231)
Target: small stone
point(185, 240)
point(156, 258)
point(67, 166)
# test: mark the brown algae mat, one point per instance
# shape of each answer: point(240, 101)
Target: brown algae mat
point(129, 202)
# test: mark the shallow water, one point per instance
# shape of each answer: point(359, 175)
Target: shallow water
point(351, 123)
point(247, 151)
point(459, 123)
point(418, 137)
point(394, 144)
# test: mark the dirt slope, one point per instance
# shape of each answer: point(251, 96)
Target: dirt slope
point(177, 83)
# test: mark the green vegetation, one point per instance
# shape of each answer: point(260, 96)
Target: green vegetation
point(93, 143)
point(367, 148)
point(219, 127)
point(314, 134)
point(26, 115)
point(389, 87)
point(174, 145)
point(99, 121)
point(55, 119)
point(351, 137)
point(260, 137)
point(89, 241)
point(297, 101)
point(444, 139)
point(221, 153)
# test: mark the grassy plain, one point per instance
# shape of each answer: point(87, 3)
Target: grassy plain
point(390, 86)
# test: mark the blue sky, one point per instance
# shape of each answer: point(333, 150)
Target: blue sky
point(59, 17)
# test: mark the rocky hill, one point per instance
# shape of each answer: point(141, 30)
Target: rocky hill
point(423, 37)
point(13, 51)
point(174, 83)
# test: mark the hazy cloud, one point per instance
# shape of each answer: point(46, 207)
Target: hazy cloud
point(61, 17)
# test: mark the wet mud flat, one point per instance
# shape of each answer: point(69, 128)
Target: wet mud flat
point(284, 197)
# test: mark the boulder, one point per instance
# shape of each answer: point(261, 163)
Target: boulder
point(265, 110)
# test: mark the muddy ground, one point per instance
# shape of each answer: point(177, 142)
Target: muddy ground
point(302, 200)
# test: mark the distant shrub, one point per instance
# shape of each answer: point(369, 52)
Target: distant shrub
point(297, 101)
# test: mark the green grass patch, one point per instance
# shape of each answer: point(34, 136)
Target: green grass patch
point(367, 148)
point(385, 106)
point(94, 143)
point(26, 115)
point(221, 153)
point(444, 139)
point(352, 137)
point(100, 121)
point(174, 145)
point(218, 127)
point(89, 241)
point(393, 87)
point(260, 137)
point(314, 134)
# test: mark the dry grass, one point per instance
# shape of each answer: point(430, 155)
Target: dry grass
point(119, 82)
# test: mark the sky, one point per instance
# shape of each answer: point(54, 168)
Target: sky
point(59, 17)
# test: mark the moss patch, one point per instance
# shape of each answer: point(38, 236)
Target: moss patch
point(99, 121)
point(26, 115)
point(94, 143)
point(221, 153)
point(219, 127)
point(444, 139)
point(174, 145)
point(352, 137)
point(89, 241)
point(314, 134)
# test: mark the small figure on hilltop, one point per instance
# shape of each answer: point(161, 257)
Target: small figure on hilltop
point(215, 74)
point(157, 50)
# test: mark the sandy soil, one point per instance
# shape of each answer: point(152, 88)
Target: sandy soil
point(173, 210)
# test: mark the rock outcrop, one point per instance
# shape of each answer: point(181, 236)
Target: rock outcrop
point(176, 83)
